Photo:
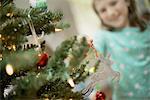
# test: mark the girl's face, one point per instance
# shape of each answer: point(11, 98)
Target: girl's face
point(113, 13)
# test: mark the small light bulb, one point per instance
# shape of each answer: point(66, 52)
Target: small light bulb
point(9, 47)
point(38, 75)
point(3, 38)
point(92, 70)
point(1, 57)
point(8, 14)
point(9, 69)
point(14, 47)
point(58, 30)
point(39, 55)
point(70, 81)
point(46, 99)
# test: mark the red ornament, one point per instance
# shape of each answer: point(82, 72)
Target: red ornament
point(43, 60)
point(100, 95)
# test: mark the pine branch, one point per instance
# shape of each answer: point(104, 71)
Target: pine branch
point(56, 70)
point(17, 21)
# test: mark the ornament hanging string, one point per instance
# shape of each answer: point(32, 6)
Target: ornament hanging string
point(34, 32)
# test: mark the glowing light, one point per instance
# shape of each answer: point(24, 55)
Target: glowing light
point(58, 30)
point(9, 47)
point(39, 55)
point(14, 47)
point(92, 70)
point(0, 36)
point(8, 14)
point(1, 57)
point(46, 99)
point(3, 38)
point(38, 75)
point(9, 69)
point(38, 49)
point(70, 81)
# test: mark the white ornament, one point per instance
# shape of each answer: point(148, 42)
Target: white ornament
point(34, 38)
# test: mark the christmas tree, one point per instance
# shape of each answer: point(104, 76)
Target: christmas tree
point(26, 70)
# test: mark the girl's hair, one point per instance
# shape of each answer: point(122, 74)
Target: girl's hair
point(134, 19)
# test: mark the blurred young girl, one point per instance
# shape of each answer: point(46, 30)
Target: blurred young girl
point(127, 39)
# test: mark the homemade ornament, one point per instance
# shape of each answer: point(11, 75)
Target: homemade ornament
point(103, 73)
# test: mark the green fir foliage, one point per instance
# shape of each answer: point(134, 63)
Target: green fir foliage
point(28, 81)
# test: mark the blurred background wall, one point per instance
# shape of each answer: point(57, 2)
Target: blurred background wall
point(85, 18)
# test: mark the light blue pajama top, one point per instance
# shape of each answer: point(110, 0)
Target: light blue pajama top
point(130, 52)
